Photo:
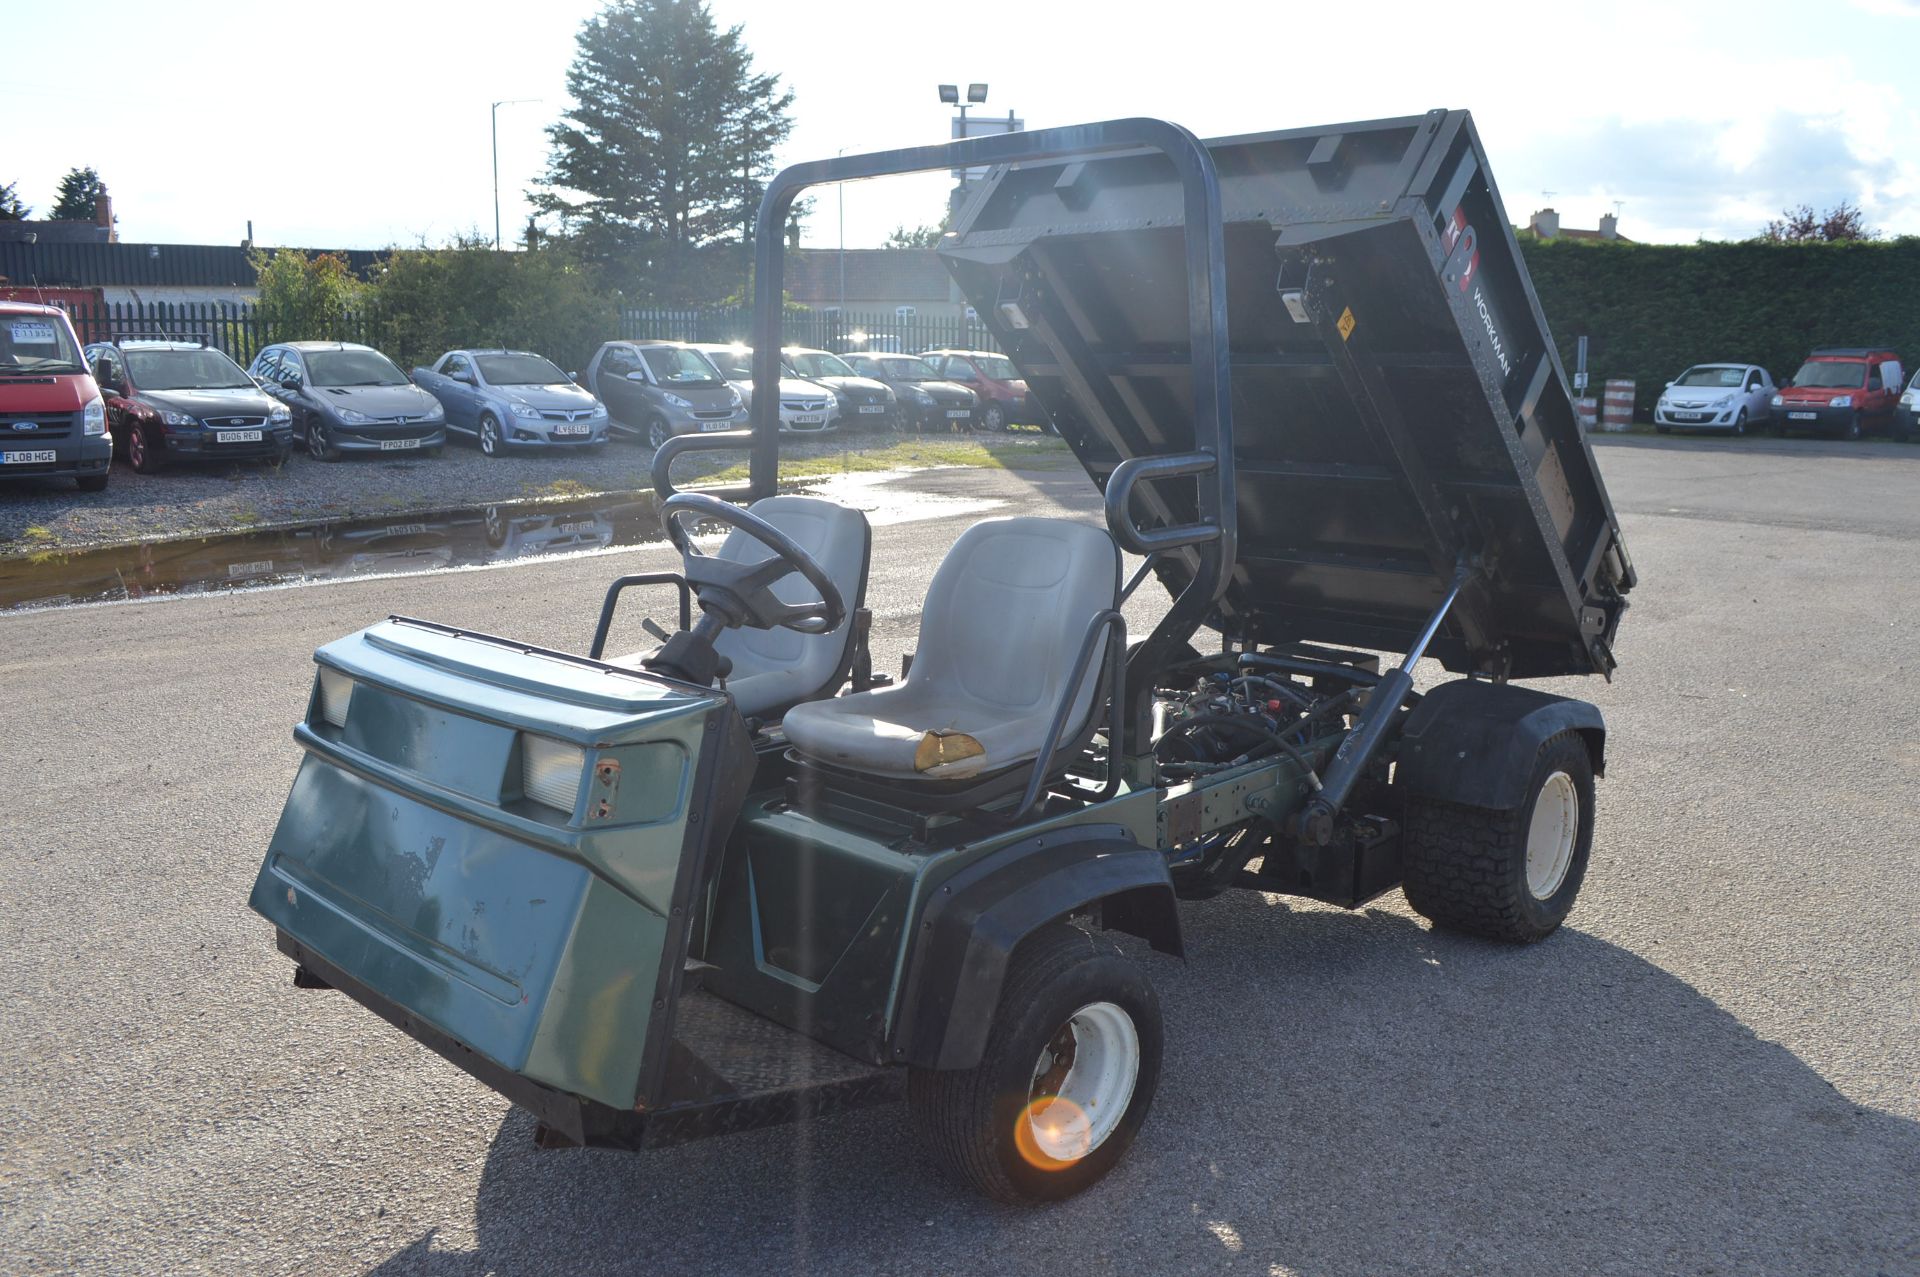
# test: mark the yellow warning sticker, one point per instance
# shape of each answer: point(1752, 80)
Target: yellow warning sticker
point(1346, 323)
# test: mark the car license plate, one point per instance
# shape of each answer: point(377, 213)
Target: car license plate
point(28, 458)
point(1802, 416)
point(807, 419)
point(1688, 416)
point(258, 567)
point(405, 529)
point(570, 430)
point(873, 407)
point(574, 529)
point(398, 445)
point(237, 436)
point(959, 412)
point(710, 426)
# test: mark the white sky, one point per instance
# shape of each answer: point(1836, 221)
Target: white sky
point(359, 124)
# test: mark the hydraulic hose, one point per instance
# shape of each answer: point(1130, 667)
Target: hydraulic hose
point(1266, 734)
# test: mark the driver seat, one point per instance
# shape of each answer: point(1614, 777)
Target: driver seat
point(774, 670)
point(1003, 623)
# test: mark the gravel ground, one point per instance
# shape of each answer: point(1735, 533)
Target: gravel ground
point(39, 515)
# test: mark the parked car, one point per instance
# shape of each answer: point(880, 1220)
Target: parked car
point(993, 378)
point(171, 401)
point(348, 398)
point(1729, 397)
point(662, 388)
point(805, 408)
point(1843, 391)
point(861, 400)
point(1905, 413)
point(53, 421)
point(925, 398)
point(513, 399)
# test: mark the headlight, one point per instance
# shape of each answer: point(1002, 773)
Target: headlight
point(278, 415)
point(733, 398)
point(1778, 401)
point(351, 416)
point(526, 410)
point(599, 411)
point(173, 418)
point(1842, 401)
point(921, 396)
point(336, 692)
point(551, 772)
point(93, 418)
point(677, 401)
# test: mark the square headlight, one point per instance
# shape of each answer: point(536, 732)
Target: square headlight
point(552, 772)
point(336, 693)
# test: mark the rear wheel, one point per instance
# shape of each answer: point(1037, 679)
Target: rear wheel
point(1065, 1081)
point(1506, 875)
point(490, 445)
point(141, 454)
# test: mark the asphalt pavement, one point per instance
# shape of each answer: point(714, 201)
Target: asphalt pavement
point(1711, 1069)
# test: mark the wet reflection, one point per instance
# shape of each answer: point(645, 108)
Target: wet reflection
point(326, 551)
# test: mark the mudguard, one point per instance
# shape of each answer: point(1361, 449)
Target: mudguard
point(1473, 742)
point(974, 922)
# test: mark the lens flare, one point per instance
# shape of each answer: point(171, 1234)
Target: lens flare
point(1052, 1134)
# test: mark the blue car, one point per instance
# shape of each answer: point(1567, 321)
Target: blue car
point(511, 399)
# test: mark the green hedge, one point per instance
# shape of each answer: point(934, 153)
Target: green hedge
point(1650, 310)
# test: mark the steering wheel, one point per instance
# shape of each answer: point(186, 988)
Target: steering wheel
point(741, 593)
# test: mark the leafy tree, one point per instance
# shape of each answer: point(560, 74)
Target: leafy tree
point(913, 237)
point(80, 191)
point(306, 298)
point(1844, 221)
point(661, 158)
point(12, 207)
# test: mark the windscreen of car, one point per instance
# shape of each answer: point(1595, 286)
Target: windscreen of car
point(37, 343)
point(820, 364)
point(998, 367)
point(520, 370)
point(1831, 374)
point(352, 368)
point(907, 370)
point(1714, 377)
point(185, 370)
point(737, 364)
point(678, 366)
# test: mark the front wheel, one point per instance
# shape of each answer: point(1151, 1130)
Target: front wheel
point(1506, 875)
point(658, 432)
point(1066, 1079)
point(1740, 423)
point(141, 454)
point(92, 482)
point(319, 447)
point(993, 418)
point(1852, 429)
point(490, 445)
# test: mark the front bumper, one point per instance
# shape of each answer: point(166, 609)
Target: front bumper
point(409, 438)
point(1696, 418)
point(535, 436)
point(938, 415)
point(185, 443)
point(74, 457)
point(1820, 417)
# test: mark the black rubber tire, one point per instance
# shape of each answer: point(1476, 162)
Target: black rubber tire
point(967, 1118)
point(141, 454)
point(1665, 430)
point(92, 482)
point(1465, 868)
point(318, 446)
point(1740, 424)
point(497, 447)
point(1851, 431)
point(993, 417)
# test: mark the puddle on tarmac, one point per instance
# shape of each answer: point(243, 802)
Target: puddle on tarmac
point(381, 546)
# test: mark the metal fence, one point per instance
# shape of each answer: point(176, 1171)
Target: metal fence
point(238, 329)
point(834, 330)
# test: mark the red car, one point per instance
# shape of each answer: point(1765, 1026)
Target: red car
point(1841, 391)
point(1003, 393)
point(53, 422)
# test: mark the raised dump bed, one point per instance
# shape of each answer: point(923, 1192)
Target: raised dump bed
point(1397, 407)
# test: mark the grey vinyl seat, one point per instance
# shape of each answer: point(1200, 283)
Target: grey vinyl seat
point(776, 669)
point(1005, 616)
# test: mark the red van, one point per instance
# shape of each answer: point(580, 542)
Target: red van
point(53, 422)
point(1841, 391)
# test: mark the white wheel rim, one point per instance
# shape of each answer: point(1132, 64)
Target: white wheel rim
point(1551, 835)
point(1082, 1085)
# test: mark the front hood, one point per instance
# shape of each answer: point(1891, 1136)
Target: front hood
point(791, 389)
point(68, 393)
point(856, 386)
point(558, 398)
point(378, 401)
point(1698, 397)
point(1817, 394)
point(242, 401)
point(948, 392)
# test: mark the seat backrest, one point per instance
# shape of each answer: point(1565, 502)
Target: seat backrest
point(1008, 610)
point(773, 669)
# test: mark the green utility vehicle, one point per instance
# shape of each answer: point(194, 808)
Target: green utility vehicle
point(739, 879)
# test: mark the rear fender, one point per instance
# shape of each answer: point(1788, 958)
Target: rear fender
point(973, 923)
point(1473, 743)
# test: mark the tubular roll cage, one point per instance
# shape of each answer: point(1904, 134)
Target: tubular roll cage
point(1213, 535)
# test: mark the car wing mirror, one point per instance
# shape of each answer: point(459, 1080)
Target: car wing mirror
point(637, 376)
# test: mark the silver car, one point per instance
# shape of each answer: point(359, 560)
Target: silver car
point(1729, 397)
point(805, 407)
point(663, 388)
point(511, 400)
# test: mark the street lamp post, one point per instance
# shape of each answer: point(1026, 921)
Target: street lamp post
point(495, 113)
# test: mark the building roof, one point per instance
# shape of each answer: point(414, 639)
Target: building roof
point(873, 275)
point(100, 265)
point(64, 230)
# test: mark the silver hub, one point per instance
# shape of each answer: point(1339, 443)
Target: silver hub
point(1551, 835)
point(1082, 1085)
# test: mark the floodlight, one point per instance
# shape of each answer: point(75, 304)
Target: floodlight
point(949, 93)
point(976, 93)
